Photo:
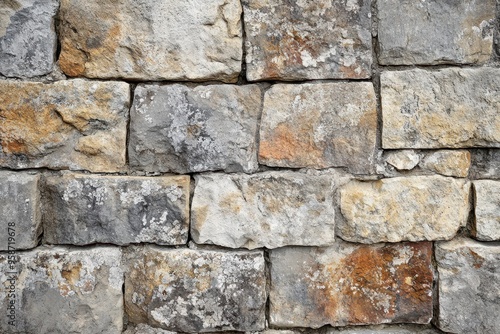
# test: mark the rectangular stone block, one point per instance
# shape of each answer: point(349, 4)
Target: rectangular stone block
point(151, 39)
point(435, 32)
point(19, 210)
point(272, 209)
point(62, 290)
point(469, 286)
point(325, 39)
point(73, 124)
point(183, 130)
point(413, 208)
point(485, 164)
point(487, 210)
point(27, 37)
point(349, 284)
point(82, 209)
point(319, 126)
point(196, 291)
point(448, 162)
point(449, 108)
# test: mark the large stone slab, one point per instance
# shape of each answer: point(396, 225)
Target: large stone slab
point(182, 129)
point(83, 209)
point(435, 32)
point(405, 208)
point(73, 124)
point(272, 209)
point(151, 39)
point(469, 286)
point(291, 40)
point(62, 290)
point(449, 108)
point(196, 291)
point(351, 284)
point(319, 126)
point(27, 37)
point(487, 210)
point(19, 210)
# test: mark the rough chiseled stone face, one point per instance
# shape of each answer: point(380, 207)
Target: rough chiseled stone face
point(19, 210)
point(65, 290)
point(272, 209)
point(181, 129)
point(153, 40)
point(403, 160)
point(410, 208)
point(297, 39)
point(448, 162)
point(449, 108)
point(196, 290)
point(487, 210)
point(73, 124)
point(385, 329)
point(84, 209)
point(485, 163)
point(319, 126)
point(145, 329)
point(27, 37)
point(435, 32)
point(469, 286)
point(351, 284)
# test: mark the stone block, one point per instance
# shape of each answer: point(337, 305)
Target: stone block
point(487, 210)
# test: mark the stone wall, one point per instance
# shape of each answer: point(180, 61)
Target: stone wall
point(257, 166)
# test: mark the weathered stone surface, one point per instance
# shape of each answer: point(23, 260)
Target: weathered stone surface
point(487, 210)
point(181, 129)
point(145, 329)
point(151, 39)
point(407, 208)
point(435, 32)
point(485, 164)
point(73, 124)
point(27, 37)
point(271, 209)
point(83, 209)
point(351, 284)
point(60, 290)
point(403, 160)
point(449, 108)
point(469, 286)
point(385, 329)
point(323, 39)
point(319, 126)
point(196, 290)
point(448, 162)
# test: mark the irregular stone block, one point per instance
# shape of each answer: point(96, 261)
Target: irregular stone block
point(323, 39)
point(485, 164)
point(272, 209)
point(183, 130)
point(63, 290)
point(196, 290)
point(351, 284)
point(73, 124)
point(27, 37)
point(469, 286)
point(319, 126)
point(403, 160)
point(406, 208)
point(83, 209)
point(448, 162)
point(19, 210)
point(487, 210)
point(151, 39)
point(449, 108)
point(435, 32)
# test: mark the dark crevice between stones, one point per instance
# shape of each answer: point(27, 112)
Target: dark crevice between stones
point(268, 285)
point(132, 88)
point(242, 78)
point(435, 289)
point(192, 186)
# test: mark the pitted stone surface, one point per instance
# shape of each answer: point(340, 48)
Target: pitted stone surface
point(487, 210)
point(448, 162)
point(485, 163)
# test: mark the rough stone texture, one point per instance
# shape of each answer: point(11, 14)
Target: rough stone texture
point(487, 210)
point(448, 162)
point(435, 32)
point(73, 124)
point(27, 37)
point(469, 286)
point(449, 108)
point(297, 39)
point(485, 164)
point(384, 329)
point(351, 284)
point(319, 126)
point(411, 208)
point(84, 209)
point(181, 129)
point(145, 329)
point(151, 39)
point(196, 290)
point(60, 291)
point(403, 160)
point(272, 209)
point(19, 210)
